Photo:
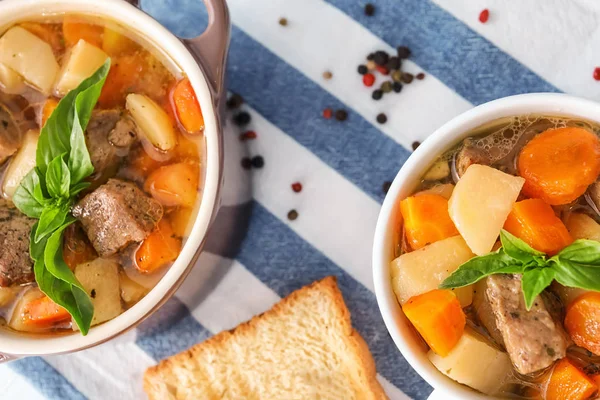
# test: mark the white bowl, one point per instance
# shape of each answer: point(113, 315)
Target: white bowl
point(405, 183)
point(207, 91)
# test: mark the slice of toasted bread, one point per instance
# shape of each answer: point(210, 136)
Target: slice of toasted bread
point(303, 348)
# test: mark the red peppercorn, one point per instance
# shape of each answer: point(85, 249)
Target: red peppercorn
point(484, 16)
point(327, 113)
point(382, 70)
point(368, 80)
point(248, 135)
point(297, 187)
point(597, 73)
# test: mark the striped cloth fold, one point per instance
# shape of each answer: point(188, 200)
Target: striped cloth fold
point(255, 255)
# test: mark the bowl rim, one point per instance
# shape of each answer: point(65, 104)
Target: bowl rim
point(403, 335)
point(11, 11)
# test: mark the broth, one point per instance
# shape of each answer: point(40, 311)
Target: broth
point(156, 155)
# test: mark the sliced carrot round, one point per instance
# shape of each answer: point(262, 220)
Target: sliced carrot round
point(582, 321)
point(426, 219)
point(568, 382)
point(559, 164)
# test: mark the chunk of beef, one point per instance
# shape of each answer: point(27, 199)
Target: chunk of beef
point(10, 135)
point(117, 214)
point(468, 155)
point(532, 338)
point(107, 134)
point(125, 132)
point(16, 266)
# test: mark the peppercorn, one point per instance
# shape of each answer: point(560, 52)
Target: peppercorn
point(371, 65)
point(382, 118)
point(597, 73)
point(420, 76)
point(258, 162)
point(234, 101)
point(381, 57)
point(327, 75)
point(397, 87)
point(386, 87)
point(484, 15)
point(246, 163)
point(327, 113)
point(283, 21)
point(368, 80)
point(370, 56)
point(292, 215)
point(369, 10)
point(397, 76)
point(297, 187)
point(403, 52)
point(407, 78)
point(382, 70)
point(362, 69)
point(248, 135)
point(386, 186)
point(377, 94)
point(415, 145)
point(394, 63)
point(341, 115)
point(243, 118)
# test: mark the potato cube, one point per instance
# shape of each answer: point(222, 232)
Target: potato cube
point(582, 226)
point(480, 203)
point(152, 120)
point(100, 278)
point(21, 164)
point(83, 60)
point(30, 57)
point(475, 363)
point(423, 270)
point(12, 83)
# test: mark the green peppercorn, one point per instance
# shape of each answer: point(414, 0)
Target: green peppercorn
point(397, 76)
point(386, 87)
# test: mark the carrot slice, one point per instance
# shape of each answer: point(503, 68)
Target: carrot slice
point(187, 107)
point(180, 219)
point(559, 164)
point(49, 106)
point(568, 382)
point(438, 317)
point(534, 221)
point(175, 184)
point(74, 29)
point(43, 312)
point(582, 321)
point(159, 248)
point(426, 219)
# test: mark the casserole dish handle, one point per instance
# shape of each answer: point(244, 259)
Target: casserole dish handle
point(211, 46)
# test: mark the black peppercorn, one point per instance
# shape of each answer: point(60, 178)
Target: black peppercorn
point(362, 69)
point(386, 186)
point(292, 215)
point(258, 162)
point(403, 52)
point(377, 94)
point(394, 63)
point(381, 118)
point(234, 101)
point(246, 163)
point(371, 56)
point(381, 58)
point(243, 118)
point(397, 87)
point(369, 9)
point(341, 115)
point(415, 145)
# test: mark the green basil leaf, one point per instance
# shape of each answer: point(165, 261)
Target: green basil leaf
point(51, 219)
point(36, 250)
point(79, 160)
point(518, 249)
point(75, 189)
point(69, 293)
point(55, 135)
point(478, 268)
point(534, 282)
point(58, 178)
point(28, 197)
point(574, 275)
point(584, 252)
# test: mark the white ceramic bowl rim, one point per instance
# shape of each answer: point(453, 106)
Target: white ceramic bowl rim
point(127, 15)
point(406, 181)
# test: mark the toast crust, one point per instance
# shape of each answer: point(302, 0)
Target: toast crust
point(363, 366)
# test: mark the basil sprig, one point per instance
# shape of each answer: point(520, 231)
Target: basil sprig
point(48, 192)
point(577, 265)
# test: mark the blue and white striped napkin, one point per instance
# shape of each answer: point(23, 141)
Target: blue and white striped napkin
point(256, 255)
